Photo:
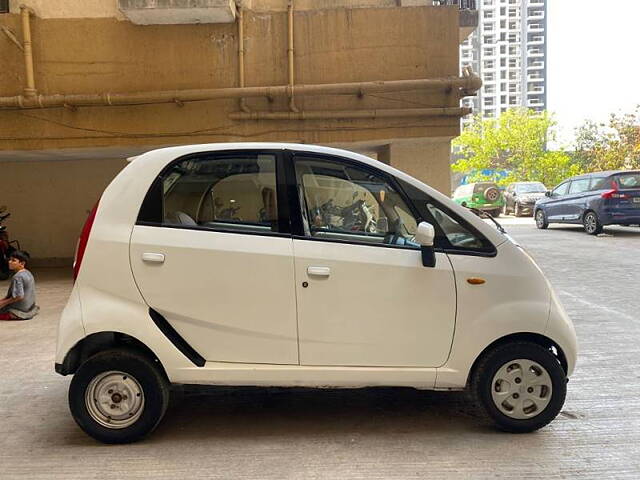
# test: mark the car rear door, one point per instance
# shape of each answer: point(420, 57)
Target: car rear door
point(212, 254)
point(577, 199)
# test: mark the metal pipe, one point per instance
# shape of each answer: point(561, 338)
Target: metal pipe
point(243, 106)
point(467, 83)
point(292, 104)
point(30, 89)
point(354, 114)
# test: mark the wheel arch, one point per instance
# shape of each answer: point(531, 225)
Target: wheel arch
point(101, 341)
point(536, 338)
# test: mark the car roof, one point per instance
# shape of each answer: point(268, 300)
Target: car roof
point(605, 173)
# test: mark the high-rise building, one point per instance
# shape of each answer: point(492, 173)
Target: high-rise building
point(509, 51)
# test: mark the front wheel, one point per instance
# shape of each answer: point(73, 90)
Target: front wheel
point(521, 386)
point(541, 220)
point(118, 396)
point(591, 224)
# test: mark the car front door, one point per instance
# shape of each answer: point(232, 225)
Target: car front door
point(364, 297)
point(211, 254)
point(555, 207)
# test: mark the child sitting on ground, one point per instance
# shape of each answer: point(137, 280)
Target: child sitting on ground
point(20, 302)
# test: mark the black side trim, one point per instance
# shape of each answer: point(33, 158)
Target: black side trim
point(175, 338)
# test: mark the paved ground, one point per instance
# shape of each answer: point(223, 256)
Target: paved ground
point(371, 433)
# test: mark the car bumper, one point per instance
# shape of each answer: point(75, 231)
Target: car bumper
point(630, 216)
point(526, 208)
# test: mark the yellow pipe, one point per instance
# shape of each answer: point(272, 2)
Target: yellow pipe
point(243, 106)
point(292, 104)
point(354, 114)
point(30, 89)
point(466, 84)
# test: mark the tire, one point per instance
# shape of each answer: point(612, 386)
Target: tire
point(492, 194)
point(495, 212)
point(516, 210)
point(541, 220)
point(591, 223)
point(534, 397)
point(128, 373)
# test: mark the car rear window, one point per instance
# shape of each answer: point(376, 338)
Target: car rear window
point(627, 180)
point(481, 187)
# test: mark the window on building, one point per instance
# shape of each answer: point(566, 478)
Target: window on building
point(503, 62)
point(513, 50)
point(503, 75)
point(487, 27)
point(488, 52)
point(4, 6)
point(488, 14)
point(489, 64)
point(513, 100)
point(490, 88)
point(503, 24)
point(489, 77)
point(513, 63)
point(503, 99)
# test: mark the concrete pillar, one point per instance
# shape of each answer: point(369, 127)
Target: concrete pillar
point(427, 160)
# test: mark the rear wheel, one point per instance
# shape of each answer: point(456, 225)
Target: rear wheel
point(591, 223)
point(541, 220)
point(520, 386)
point(118, 396)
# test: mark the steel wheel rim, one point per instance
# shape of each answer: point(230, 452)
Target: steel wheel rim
point(539, 218)
point(521, 389)
point(114, 399)
point(590, 222)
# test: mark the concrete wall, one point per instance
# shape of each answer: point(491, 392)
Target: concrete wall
point(49, 202)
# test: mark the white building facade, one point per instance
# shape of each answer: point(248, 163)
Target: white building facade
point(509, 52)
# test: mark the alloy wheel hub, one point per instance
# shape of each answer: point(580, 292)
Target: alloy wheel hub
point(521, 389)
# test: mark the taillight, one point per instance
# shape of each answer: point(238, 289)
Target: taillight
point(82, 242)
point(613, 194)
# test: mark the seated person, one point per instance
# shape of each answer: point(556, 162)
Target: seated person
point(20, 301)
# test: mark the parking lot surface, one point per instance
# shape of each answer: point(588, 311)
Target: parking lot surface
point(247, 433)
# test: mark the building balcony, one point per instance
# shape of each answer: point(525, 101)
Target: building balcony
point(535, 52)
point(535, 28)
point(469, 17)
point(535, 65)
point(535, 40)
point(163, 12)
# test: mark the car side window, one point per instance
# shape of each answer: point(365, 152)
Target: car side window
point(453, 234)
point(579, 186)
point(561, 189)
point(347, 203)
point(235, 193)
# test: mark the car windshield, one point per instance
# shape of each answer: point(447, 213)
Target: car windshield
point(628, 180)
point(531, 188)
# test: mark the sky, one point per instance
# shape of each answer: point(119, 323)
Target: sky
point(593, 61)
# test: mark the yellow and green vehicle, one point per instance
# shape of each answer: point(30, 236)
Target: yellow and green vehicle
point(485, 196)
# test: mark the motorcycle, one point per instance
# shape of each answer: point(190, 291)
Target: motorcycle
point(356, 217)
point(7, 247)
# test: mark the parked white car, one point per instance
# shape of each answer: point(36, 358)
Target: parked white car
point(276, 264)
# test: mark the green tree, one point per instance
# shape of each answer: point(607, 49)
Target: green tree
point(611, 146)
point(515, 143)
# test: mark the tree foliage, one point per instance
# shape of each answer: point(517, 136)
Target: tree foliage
point(516, 144)
point(611, 146)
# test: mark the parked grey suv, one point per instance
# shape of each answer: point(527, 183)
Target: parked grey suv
point(593, 200)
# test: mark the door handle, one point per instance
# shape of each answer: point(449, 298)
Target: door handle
point(153, 257)
point(319, 271)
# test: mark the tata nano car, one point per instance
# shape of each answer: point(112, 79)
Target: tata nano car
point(294, 265)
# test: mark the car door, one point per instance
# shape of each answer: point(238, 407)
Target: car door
point(212, 254)
point(575, 199)
point(555, 206)
point(364, 297)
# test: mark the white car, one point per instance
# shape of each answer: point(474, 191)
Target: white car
point(275, 264)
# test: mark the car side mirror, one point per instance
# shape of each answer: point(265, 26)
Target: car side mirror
point(425, 236)
point(515, 194)
point(547, 193)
